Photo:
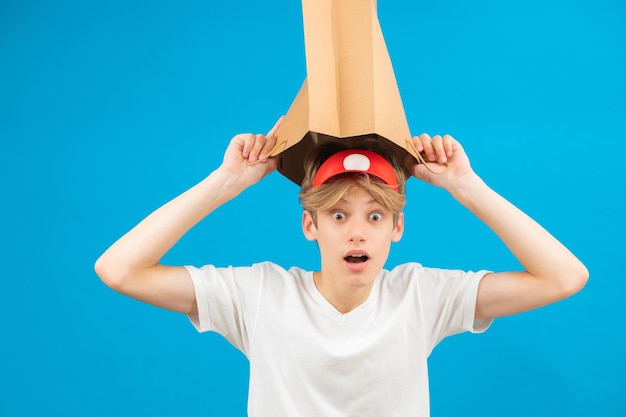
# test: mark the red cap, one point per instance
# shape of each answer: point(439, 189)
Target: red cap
point(356, 160)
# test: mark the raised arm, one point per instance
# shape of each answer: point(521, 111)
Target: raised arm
point(551, 271)
point(131, 265)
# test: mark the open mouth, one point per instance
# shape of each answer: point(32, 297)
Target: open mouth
point(355, 259)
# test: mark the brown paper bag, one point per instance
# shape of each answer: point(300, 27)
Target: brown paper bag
point(350, 92)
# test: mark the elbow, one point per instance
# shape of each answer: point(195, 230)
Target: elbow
point(109, 273)
point(576, 279)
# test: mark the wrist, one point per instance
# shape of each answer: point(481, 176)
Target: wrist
point(468, 188)
point(223, 184)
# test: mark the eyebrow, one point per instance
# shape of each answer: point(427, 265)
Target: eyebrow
point(369, 203)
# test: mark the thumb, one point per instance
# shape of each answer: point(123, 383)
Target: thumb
point(273, 130)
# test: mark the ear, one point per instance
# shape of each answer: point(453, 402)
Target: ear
point(398, 229)
point(308, 226)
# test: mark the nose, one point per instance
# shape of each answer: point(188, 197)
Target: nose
point(356, 231)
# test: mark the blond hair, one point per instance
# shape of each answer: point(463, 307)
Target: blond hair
point(328, 194)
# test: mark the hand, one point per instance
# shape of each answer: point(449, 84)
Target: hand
point(447, 165)
point(246, 157)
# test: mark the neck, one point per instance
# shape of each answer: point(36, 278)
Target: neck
point(343, 298)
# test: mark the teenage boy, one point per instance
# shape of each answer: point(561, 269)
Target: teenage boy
point(350, 339)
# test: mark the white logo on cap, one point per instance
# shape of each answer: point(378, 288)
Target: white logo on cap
point(356, 162)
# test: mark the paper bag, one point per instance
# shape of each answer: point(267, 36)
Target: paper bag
point(350, 92)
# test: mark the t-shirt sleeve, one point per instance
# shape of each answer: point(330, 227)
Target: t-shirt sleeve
point(448, 302)
point(227, 300)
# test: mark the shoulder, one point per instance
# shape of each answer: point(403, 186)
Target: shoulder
point(416, 270)
point(277, 282)
point(402, 271)
point(211, 281)
point(275, 271)
point(426, 278)
point(402, 279)
point(256, 270)
point(263, 268)
point(408, 273)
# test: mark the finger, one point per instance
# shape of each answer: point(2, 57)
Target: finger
point(272, 132)
point(417, 144)
point(429, 151)
point(438, 148)
point(270, 142)
point(448, 141)
point(247, 141)
point(259, 142)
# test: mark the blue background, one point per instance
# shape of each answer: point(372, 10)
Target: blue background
point(110, 108)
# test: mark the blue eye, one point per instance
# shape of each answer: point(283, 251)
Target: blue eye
point(375, 217)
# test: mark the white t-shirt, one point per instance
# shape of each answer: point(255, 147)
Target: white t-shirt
point(308, 359)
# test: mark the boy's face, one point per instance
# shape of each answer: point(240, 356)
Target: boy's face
point(354, 238)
